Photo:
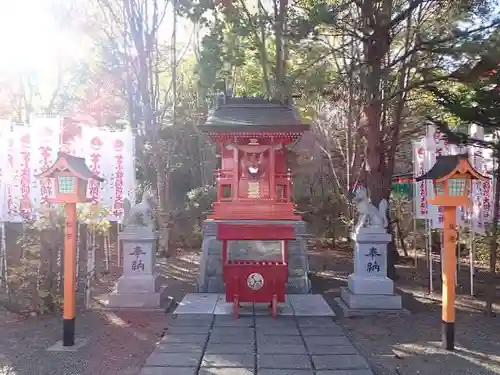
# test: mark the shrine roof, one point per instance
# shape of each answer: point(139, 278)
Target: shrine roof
point(75, 164)
point(446, 164)
point(253, 114)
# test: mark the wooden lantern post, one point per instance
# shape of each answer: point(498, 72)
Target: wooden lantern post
point(71, 176)
point(452, 176)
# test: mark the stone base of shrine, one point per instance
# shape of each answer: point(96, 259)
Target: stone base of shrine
point(353, 304)
point(151, 300)
point(142, 291)
point(359, 284)
point(210, 274)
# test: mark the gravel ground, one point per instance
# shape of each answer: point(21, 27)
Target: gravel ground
point(410, 345)
point(118, 343)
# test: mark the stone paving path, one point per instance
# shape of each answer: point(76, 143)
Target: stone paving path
point(254, 345)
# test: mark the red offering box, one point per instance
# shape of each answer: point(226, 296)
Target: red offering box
point(257, 281)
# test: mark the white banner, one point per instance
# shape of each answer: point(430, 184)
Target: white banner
point(4, 167)
point(23, 180)
point(27, 150)
point(421, 191)
point(424, 157)
point(46, 133)
point(436, 146)
point(476, 158)
point(120, 184)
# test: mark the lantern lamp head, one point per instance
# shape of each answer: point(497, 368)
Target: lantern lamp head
point(71, 176)
point(452, 177)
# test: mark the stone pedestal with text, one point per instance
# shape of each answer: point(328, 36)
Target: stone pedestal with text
point(138, 285)
point(369, 290)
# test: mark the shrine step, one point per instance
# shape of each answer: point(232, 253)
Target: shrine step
point(215, 304)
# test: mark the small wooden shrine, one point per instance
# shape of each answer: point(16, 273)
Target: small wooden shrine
point(253, 180)
point(254, 217)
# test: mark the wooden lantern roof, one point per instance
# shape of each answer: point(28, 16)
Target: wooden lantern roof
point(73, 164)
point(447, 166)
point(252, 114)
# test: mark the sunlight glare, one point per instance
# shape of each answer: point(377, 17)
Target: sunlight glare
point(29, 38)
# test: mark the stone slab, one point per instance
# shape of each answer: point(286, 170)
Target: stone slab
point(339, 362)
point(350, 312)
point(284, 308)
point(191, 320)
point(269, 322)
point(371, 301)
point(285, 372)
point(214, 303)
point(232, 338)
point(193, 339)
point(223, 330)
point(215, 348)
point(188, 330)
point(223, 307)
point(309, 305)
point(325, 331)
point(197, 303)
point(327, 340)
point(226, 371)
point(278, 340)
point(173, 359)
point(230, 321)
point(179, 347)
point(169, 371)
point(59, 347)
point(321, 322)
point(281, 349)
point(228, 360)
point(345, 372)
point(331, 349)
point(282, 331)
point(283, 361)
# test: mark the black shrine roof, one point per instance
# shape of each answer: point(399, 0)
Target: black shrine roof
point(252, 114)
point(75, 164)
point(79, 166)
point(445, 164)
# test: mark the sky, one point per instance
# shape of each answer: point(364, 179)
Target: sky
point(29, 37)
point(31, 40)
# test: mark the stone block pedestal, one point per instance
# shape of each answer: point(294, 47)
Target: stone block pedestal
point(369, 290)
point(138, 286)
point(210, 277)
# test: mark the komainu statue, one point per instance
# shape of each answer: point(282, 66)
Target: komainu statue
point(369, 215)
point(141, 214)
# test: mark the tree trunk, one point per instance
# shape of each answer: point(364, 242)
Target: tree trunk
point(163, 214)
point(491, 291)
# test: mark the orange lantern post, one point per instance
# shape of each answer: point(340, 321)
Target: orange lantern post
point(71, 176)
point(452, 176)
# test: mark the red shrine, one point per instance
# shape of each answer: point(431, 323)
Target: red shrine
point(254, 188)
point(253, 180)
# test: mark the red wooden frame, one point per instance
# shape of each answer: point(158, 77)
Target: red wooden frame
point(237, 273)
point(275, 183)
